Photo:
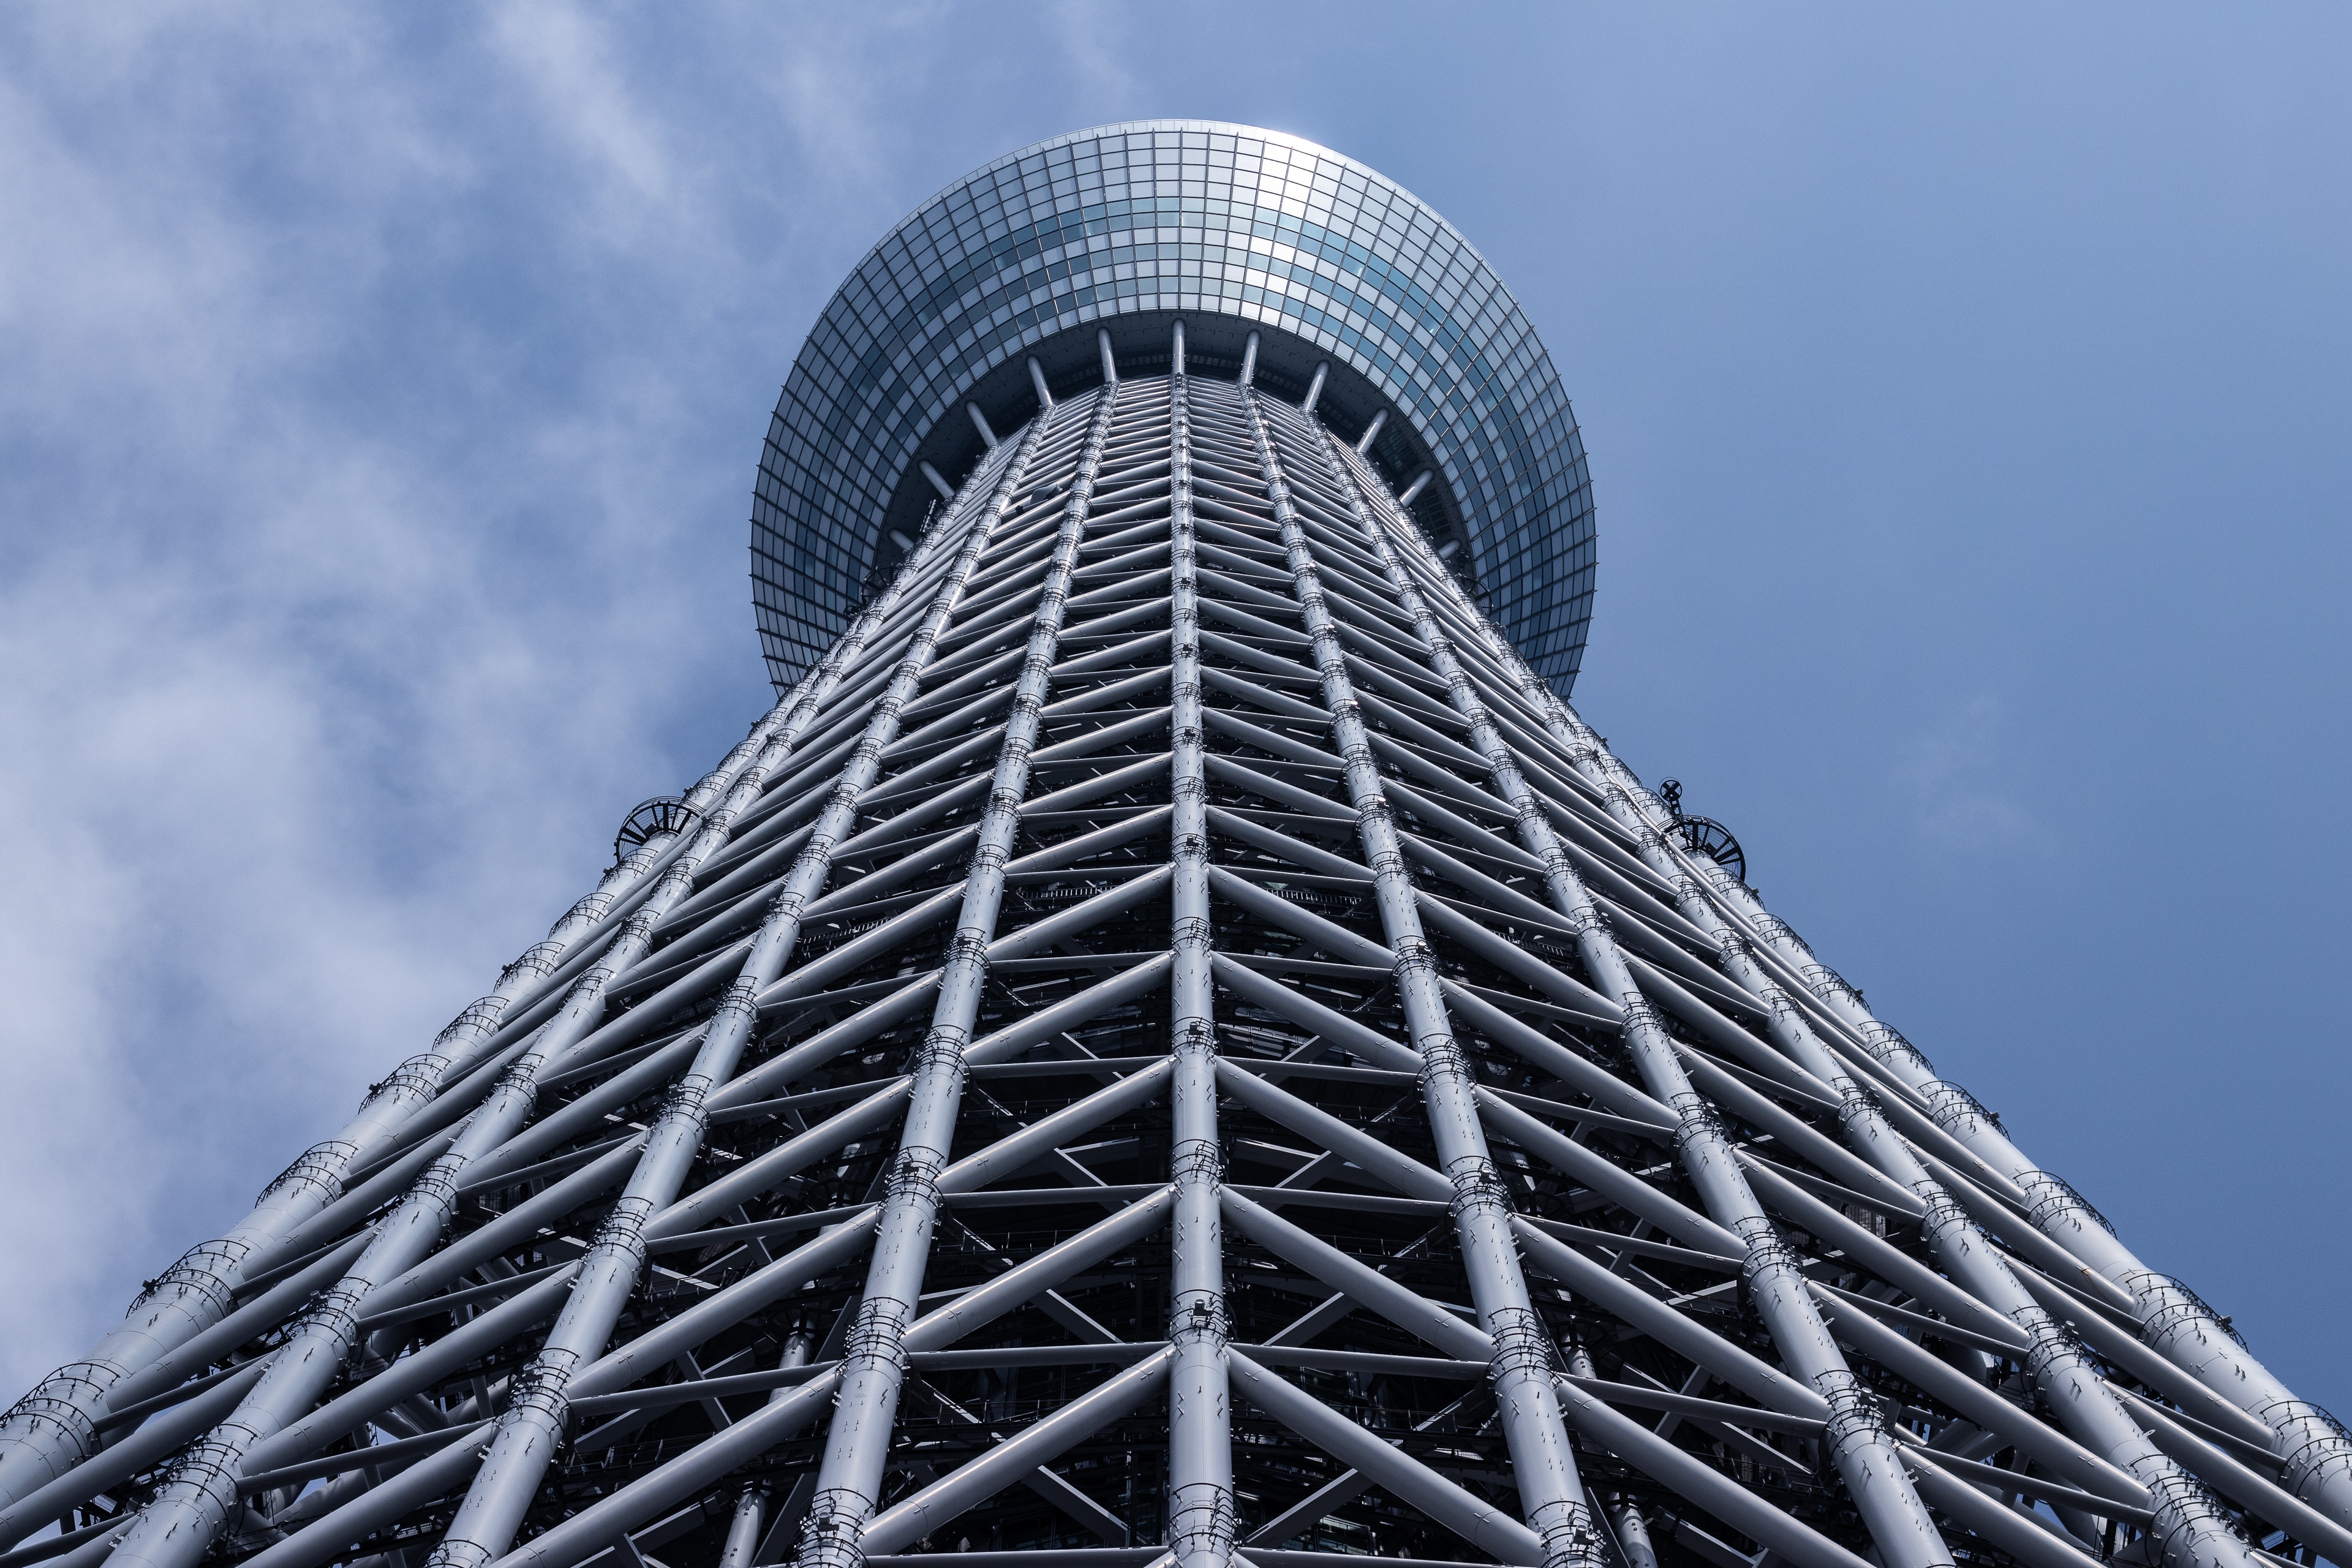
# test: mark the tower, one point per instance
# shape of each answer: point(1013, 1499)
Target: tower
point(1170, 1042)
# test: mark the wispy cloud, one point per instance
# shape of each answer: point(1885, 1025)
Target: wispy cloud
point(1097, 43)
point(372, 478)
point(1965, 788)
point(563, 58)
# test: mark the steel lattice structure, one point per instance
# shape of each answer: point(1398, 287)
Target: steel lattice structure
point(1170, 1044)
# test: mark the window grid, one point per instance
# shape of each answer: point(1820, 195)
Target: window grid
point(1187, 216)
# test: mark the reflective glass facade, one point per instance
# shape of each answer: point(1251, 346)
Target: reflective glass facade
point(1192, 217)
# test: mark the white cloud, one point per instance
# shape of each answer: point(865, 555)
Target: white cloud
point(356, 571)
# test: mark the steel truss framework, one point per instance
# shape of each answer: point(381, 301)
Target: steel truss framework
point(1170, 1046)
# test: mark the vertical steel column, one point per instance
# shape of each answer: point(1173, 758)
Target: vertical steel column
point(1542, 1460)
point(744, 1531)
point(54, 1427)
point(874, 1360)
point(178, 1526)
point(532, 1426)
point(1859, 1443)
point(1632, 1530)
point(1200, 1439)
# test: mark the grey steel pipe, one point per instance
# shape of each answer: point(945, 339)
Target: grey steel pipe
point(532, 1426)
point(1543, 1463)
point(53, 1427)
point(849, 1486)
point(178, 1526)
point(2310, 1443)
point(2259, 1495)
point(597, 1526)
point(752, 1506)
point(1201, 1517)
point(1859, 1443)
point(604, 1522)
point(1627, 1302)
point(410, 1374)
point(156, 1439)
point(2194, 1533)
point(935, 1505)
point(1359, 1282)
point(1702, 1484)
point(325, 1538)
point(1475, 1519)
point(2026, 1538)
point(1632, 1530)
point(743, 1529)
point(2193, 1530)
point(1634, 1535)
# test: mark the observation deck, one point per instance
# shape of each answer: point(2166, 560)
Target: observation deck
point(1126, 229)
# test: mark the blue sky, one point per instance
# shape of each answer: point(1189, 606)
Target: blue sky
point(1965, 387)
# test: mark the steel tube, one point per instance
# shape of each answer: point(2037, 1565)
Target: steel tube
point(1543, 1465)
point(1201, 1517)
point(179, 1524)
point(2309, 1442)
point(587, 1533)
point(531, 1428)
point(1475, 1520)
point(1623, 1299)
point(2257, 1493)
point(1858, 1440)
point(848, 1485)
point(161, 1433)
point(976, 1479)
point(2195, 1535)
point(52, 1428)
point(2027, 1540)
point(1359, 1282)
point(1708, 1487)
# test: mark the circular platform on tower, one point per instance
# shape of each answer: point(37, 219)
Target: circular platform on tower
point(1127, 228)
